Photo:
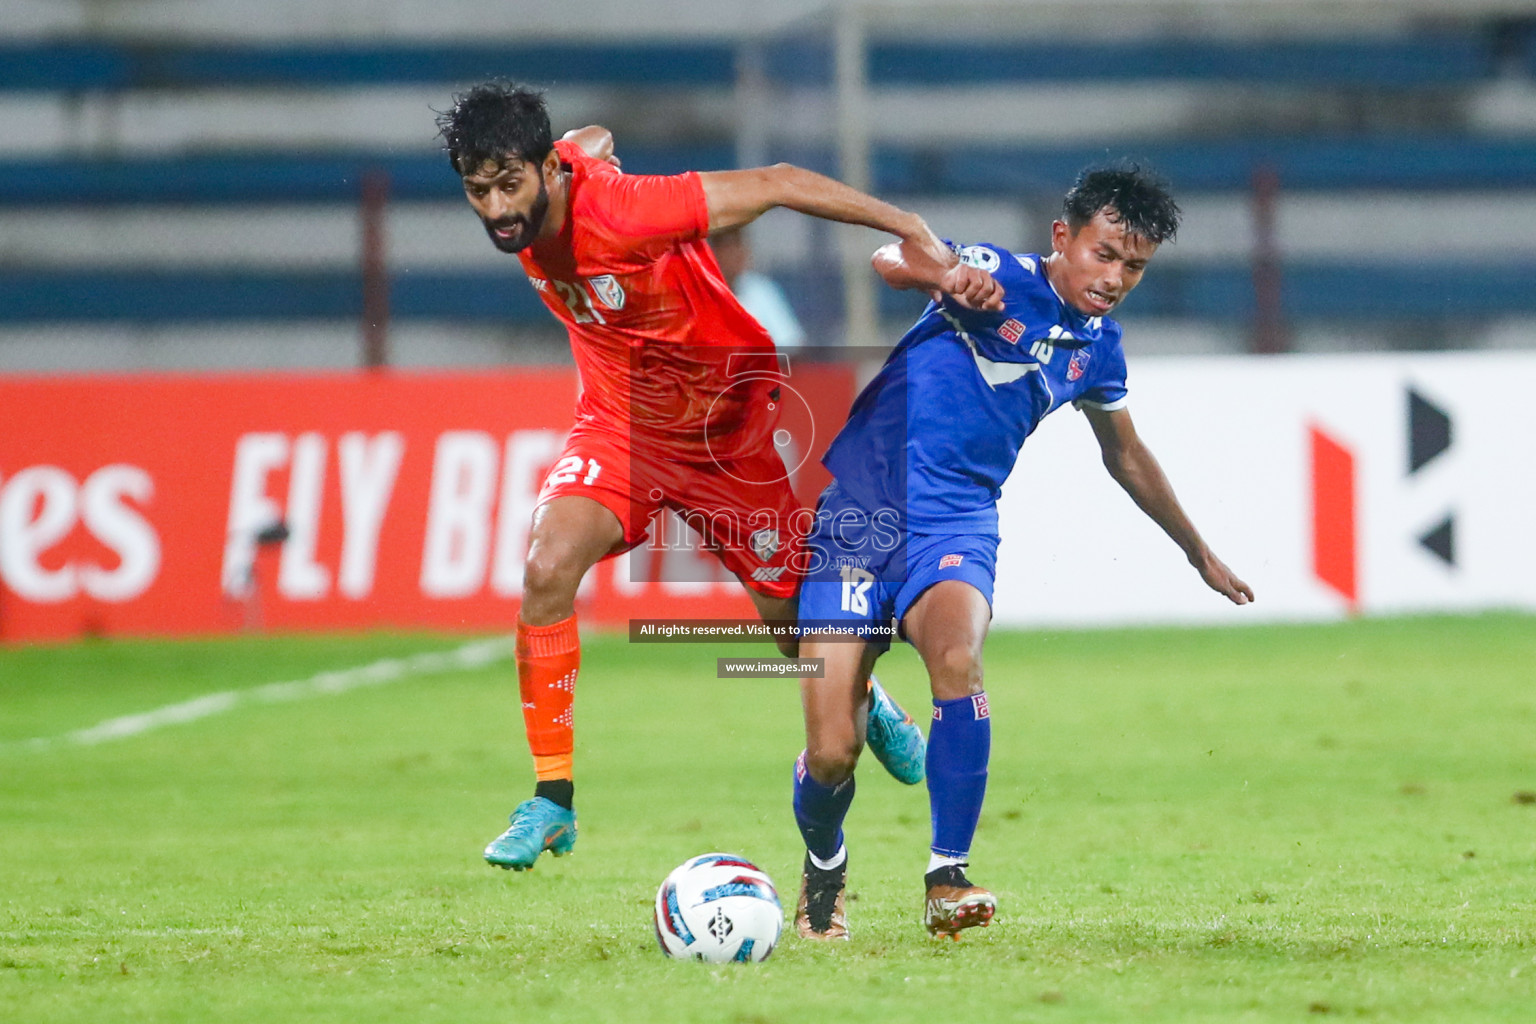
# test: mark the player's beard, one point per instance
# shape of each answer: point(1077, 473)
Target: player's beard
point(528, 227)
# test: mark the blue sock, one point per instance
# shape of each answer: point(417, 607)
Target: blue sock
point(820, 810)
point(959, 745)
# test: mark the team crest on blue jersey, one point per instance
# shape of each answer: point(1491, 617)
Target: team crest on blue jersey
point(980, 257)
point(764, 543)
point(1079, 364)
point(608, 290)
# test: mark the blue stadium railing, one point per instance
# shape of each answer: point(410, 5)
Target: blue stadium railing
point(1419, 162)
point(1413, 62)
point(277, 177)
point(1342, 293)
point(114, 67)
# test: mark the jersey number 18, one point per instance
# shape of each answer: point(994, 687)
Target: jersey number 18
point(856, 584)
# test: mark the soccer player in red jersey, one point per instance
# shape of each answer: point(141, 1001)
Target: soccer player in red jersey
point(678, 389)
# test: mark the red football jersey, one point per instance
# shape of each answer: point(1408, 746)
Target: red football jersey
point(664, 350)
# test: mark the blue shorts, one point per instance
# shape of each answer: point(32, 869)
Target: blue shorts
point(864, 573)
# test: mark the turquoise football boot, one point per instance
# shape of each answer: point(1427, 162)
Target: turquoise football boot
point(894, 738)
point(537, 825)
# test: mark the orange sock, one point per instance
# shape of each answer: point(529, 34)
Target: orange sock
point(548, 658)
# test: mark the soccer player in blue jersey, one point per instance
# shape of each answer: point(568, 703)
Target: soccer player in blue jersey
point(907, 530)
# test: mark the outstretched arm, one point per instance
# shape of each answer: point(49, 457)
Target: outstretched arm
point(736, 198)
point(905, 266)
point(1134, 468)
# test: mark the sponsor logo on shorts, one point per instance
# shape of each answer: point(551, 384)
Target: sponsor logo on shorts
point(1079, 364)
point(768, 573)
point(764, 543)
point(1011, 331)
point(608, 290)
point(979, 704)
point(950, 561)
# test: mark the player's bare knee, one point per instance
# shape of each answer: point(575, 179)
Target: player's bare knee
point(955, 671)
point(831, 764)
point(551, 576)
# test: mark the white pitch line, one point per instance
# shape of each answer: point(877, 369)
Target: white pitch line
point(378, 673)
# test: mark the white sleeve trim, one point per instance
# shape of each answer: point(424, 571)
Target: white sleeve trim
point(1119, 403)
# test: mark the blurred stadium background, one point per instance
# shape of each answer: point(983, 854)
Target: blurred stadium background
point(217, 186)
point(215, 215)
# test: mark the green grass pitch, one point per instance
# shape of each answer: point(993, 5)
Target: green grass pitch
point(1288, 823)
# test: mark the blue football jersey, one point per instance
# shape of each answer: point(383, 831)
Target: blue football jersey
point(938, 430)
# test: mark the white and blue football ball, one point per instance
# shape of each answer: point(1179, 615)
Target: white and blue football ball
point(718, 908)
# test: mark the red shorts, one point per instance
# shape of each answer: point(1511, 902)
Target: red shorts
point(743, 509)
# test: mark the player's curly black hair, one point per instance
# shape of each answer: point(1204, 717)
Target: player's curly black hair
point(497, 121)
point(1136, 196)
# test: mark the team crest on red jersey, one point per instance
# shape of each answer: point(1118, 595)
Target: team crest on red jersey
point(765, 543)
point(1011, 331)
point(950, 561)
point(608, 291)
point(1079, 364)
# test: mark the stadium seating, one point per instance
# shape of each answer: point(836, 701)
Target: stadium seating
point(1384, 151)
